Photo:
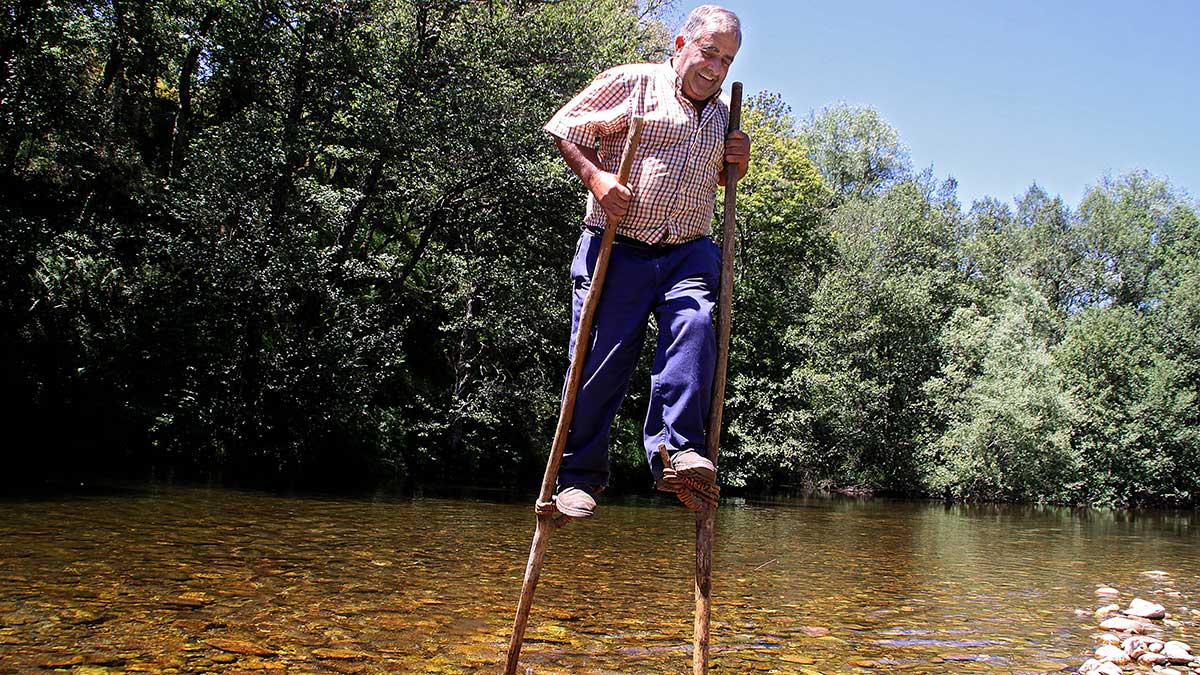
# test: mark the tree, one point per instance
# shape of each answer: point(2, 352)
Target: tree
point(870, 337)
point(1126, 226)
point(856, 151)
point(782, 251)
point(1004, 416)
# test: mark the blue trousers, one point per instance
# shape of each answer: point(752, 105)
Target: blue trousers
point(678, 286)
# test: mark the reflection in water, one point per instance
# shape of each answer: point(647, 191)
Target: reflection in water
point(197, 581)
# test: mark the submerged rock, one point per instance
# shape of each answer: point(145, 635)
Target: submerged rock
point(1107, 611)
point(239, 647)
point(1107, 590)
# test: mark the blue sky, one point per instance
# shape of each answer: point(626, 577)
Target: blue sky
point(998, 94)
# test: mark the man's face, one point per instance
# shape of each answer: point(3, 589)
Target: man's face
point(703, 63)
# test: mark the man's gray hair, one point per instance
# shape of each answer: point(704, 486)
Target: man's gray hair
point(710, 18)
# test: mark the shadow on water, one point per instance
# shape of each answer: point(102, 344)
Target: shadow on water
point(200, 579)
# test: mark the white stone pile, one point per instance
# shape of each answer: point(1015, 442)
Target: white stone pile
point(1125, 647)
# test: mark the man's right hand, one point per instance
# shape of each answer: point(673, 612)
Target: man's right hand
point(613, 197)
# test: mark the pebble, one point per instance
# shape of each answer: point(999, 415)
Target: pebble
point(1107, 590)
point(1092, 666)
point(1141, 643)
point(1145, 610)
point(239, 647)
point(1122, 625)
point(1177, 652)
point(1112, 653)
point(1106, 611)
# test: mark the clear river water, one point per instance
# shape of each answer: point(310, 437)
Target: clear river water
point(173, 580)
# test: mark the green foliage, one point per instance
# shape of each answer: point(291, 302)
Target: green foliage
point(311, 240)
point(1137, 428)
point(782, 249)
point(1003, 416)
point(858, 153)
point(327, 242)
point(1127, 228)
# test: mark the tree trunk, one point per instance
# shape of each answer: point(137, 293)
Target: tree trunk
point(187, 75)
point(468, 350)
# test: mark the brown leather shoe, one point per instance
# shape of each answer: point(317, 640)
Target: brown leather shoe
point(577, 501)
point(691, 464)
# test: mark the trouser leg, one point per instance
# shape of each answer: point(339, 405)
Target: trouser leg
point(685, 356)
point(618, 331)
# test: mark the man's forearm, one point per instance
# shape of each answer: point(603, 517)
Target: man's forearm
point(604, 186)
point(584, 161)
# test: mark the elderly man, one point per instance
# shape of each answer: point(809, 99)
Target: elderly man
point(662, 263)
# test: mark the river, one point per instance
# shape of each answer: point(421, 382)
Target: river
point(175, 580)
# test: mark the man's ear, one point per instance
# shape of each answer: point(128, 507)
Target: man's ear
point(679, 43)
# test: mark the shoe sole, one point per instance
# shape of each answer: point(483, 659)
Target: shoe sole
point(699, 473)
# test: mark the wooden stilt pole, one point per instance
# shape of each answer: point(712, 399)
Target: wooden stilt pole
point(546, 522)
point(705, 516)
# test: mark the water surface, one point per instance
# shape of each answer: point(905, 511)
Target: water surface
point(213, 581)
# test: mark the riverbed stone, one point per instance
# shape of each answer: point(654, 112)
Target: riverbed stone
point(1177, 652)
point(1107, 590)
point(1097, 667)
point(1152, 658)
point(1107, 639)
point(1137, 645)
point(239, 647)
point(961, 657)
point(1145, 609)
point(1107, 611)
point(339, 653)
point(1112, 653)
point(1123, 625)
point(61, 661)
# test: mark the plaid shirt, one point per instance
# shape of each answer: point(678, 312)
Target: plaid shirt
point(674, 176)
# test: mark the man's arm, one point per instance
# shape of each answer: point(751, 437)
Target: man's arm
point(737, 152)
point(604, 186)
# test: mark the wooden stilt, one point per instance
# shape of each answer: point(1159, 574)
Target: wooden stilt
point(546, 522)
point(705, 517)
